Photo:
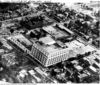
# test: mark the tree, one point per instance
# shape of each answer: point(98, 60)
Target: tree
point(0, 24)
point(53, 73)
point(11, 30)
point(1, 44)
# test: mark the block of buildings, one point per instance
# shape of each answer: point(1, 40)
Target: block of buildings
point(51, 48)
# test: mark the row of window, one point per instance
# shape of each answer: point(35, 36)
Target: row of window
point(62, 52)
point(19, 44)
point(39, 55)
point(56, 59)
point(40, 49)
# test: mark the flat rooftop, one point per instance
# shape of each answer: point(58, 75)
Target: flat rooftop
point(52, 42)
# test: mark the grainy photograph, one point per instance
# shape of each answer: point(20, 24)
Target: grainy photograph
point(49, 41)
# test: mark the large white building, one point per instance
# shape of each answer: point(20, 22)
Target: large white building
point(47, 50)
point(51, 56)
